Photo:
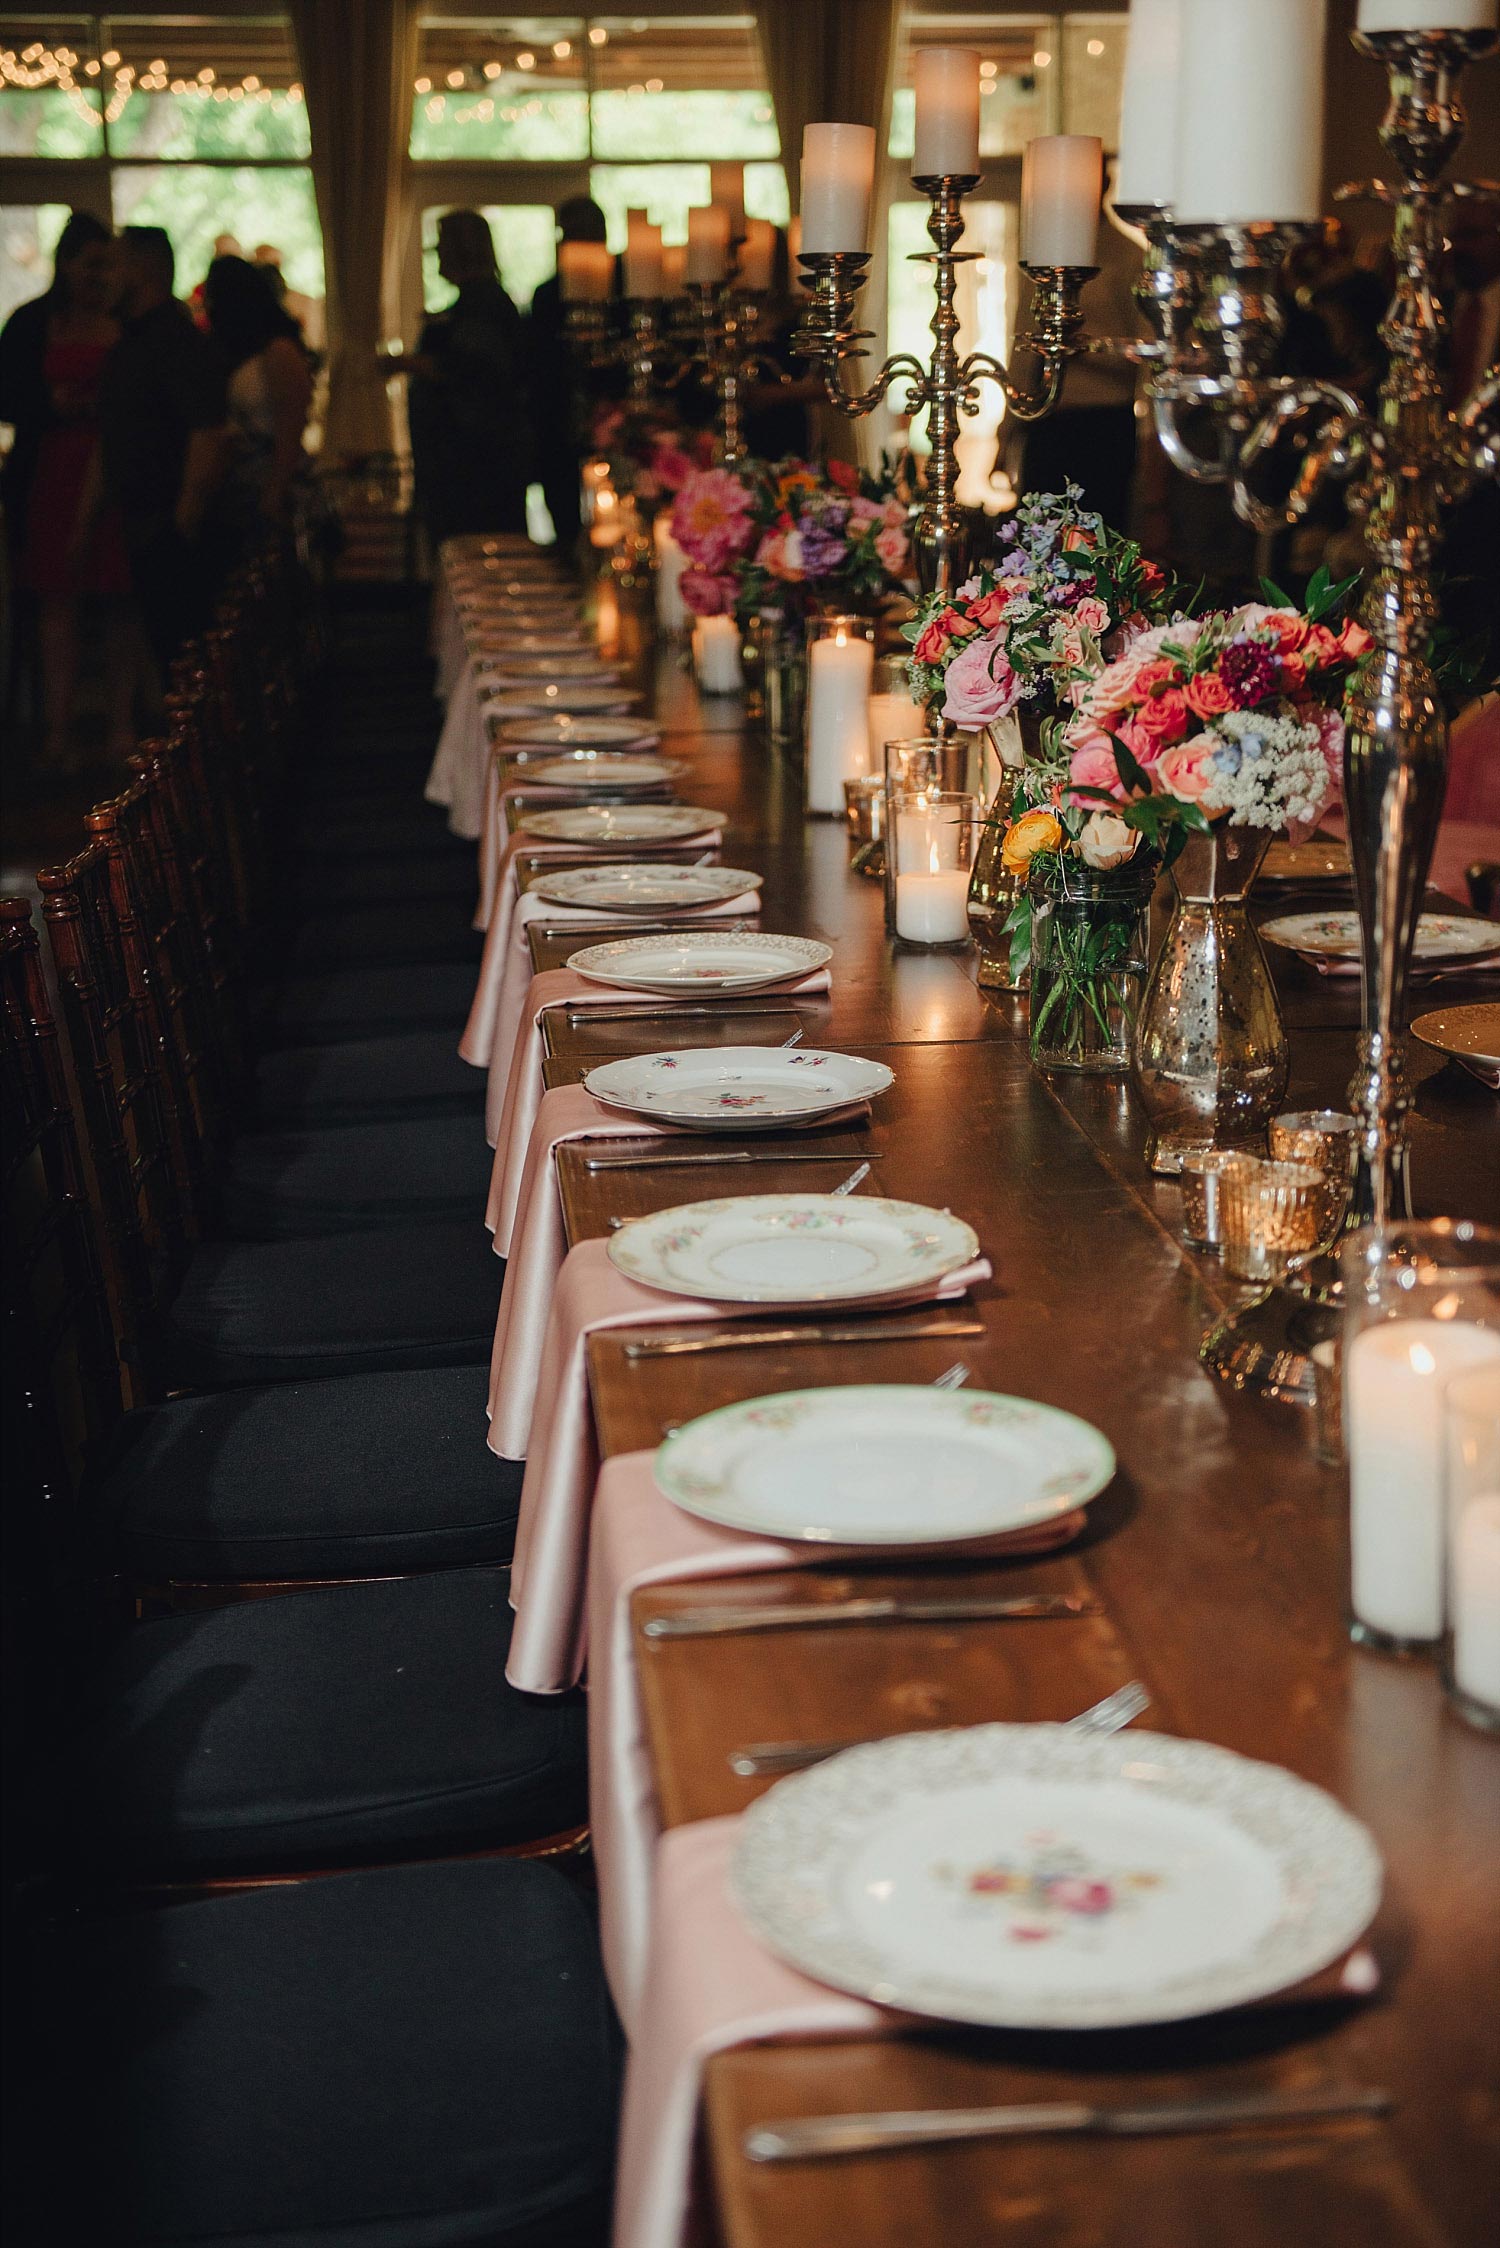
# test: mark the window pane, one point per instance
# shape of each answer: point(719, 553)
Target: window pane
point(1019, 80)
point(189, 88)
point(680, 87)
point(983, 304)
point(525, 236)
point(514, 87)
point(28, 236)
point(1094, 61)
point(49, 87)
point(198, 202)
point(667, 192)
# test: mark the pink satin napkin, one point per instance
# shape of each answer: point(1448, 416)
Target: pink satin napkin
point(511, 1105)
point(505, 971)
point(710, 1986)
point(640, 1538)
point(547, 1575)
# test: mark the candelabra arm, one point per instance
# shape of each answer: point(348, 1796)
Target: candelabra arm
point(1478, 423)
point(1339, 452)
point(857, 403)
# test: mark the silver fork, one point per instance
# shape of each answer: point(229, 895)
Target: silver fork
point(795, 1039)
point(952, 1377)
point(765, 1758)
point(848, 1185)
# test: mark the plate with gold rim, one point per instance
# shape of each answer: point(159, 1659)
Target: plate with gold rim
point(1334, 937)
point(604, 769)
point(793, 1248)
point(705, 960)
point(647, 887)
point(1470, 1035)
point(622, 823)
point(540, 701)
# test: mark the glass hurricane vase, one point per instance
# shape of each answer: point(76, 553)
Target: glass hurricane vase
point(1211, 1059)
point(1088, 963)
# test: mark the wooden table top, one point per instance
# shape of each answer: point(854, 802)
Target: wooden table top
point(1217, 1561)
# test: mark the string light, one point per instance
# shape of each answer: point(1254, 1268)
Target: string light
point(39, 69)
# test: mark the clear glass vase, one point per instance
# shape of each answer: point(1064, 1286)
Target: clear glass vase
point(1088, 963)
point(1211, 1058)
point(784, 680)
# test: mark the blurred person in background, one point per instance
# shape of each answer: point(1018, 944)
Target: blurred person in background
point(558, 401)
point(164, 445)
point(52, 358)
point(269, 392)
point(468, 405)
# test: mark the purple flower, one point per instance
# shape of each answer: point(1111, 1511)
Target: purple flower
point(823, 551)
point(1250, 671)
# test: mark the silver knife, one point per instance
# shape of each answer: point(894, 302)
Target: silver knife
point(804, 2139)
point(755, 1338)
point(774, 1005)
point(801, 1615)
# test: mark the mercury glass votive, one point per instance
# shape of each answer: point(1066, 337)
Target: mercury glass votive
point(1471, 1664)
point(1269, 1212)
point(1202, 1177)
point(1328, 1401)
point(1323, 1137)
point(864, 808)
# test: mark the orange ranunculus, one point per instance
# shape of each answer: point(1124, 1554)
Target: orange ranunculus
point(1206, 696)
point(1025, 837)
point(1320, 647)
point(1354, 641)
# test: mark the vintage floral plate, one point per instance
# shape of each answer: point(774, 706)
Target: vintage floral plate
point(646, 887)
point(886, 1465)
point(1471, 1035)
point(738, 1088)
point(731, 960)
point(793, 1248)
point(561, 730)
point(1028, 1877)
point(542, 701)
point(604, 769)
point(623, 823)
point(1324, 937)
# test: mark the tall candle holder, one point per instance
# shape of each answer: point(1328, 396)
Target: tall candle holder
point(722, 334)
point(948, 384)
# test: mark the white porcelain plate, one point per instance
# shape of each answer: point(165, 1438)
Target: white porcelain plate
point(1470, 1034)
point(561, 642)
point(623, 823)
point(602, 769)
point(1028, 1877)
point(541, 701)
point(530, 672)
point(738, 1088)
point(793, 1248)
point(1335, 936)
point(646, 888)
point(883, 1466)
point(560, 730)
point(732, 960)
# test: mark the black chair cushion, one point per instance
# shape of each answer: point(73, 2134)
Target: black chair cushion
point(365, 1077)
point(410, 2057)
point(364, 1721)
point(354, 1303)
point(319, 1009)
point(376, 1474)
point(351, 1177)
point(414, 929)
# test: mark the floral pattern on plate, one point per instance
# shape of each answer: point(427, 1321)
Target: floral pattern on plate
point(1335, 936)
point(793, 1248)
point(623, 823)
point(711, 961)
point(712, 1085)
point(647, 888)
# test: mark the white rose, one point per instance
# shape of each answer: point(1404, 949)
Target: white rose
point(1106, 841)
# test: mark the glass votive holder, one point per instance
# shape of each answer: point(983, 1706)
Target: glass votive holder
point(911, 769)
point(840, 667)
point(864, 808)
point(1328, 1401)
point(1421, 1305)
point(1324, 1137)
point(1471, 1667)
point(1269, 1212)
point(930, 841)
point(1202, 1175)
point(895, 713)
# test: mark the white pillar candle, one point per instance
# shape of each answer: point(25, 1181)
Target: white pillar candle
point(707, 244)
point(932, 900)
point(1250, 112)
point(1147, 171)
point(642, 256)
point(716, 655)
point(671, 609)
point(1428, 15)
point(757, 253)
point(1394, 1377)
point(894, 717)
point(726, 187)
point(947, 101)
point(1062, 179)
point(838, 179)
point(1474, 1598)
point(585, 272)
point(839, 670)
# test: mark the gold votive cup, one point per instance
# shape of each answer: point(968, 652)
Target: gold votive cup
point(1201, 1179)
point(864, 807)
point(1323, 1137)
point(1328, 1400)
point(1269, 1212)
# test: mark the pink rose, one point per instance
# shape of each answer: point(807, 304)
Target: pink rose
point(894, 514)
point(780, 552)
point(707, 594)
point(980, 686)
point(1163, 718)
point(862, 511)
point(1186, 771)
point(1095, 767)
point(1084, 732)
point(894, 550)
point(1092, 614)
point(1104, 841)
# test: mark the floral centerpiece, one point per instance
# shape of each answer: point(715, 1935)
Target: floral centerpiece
point(789, 537)
point(651, 455)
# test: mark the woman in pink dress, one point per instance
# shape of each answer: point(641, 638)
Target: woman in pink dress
point(70, 549)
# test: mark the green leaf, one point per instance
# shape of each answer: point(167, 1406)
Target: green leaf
point(1275, 595)
point(1131, 773)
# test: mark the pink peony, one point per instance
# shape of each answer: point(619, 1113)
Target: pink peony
point(708, 594)
point(671, 466)
point(979, 685)
point(1186, 771)
point(710, 520)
